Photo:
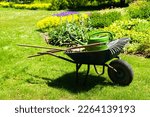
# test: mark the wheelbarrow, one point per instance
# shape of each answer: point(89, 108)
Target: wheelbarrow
point(119, 71)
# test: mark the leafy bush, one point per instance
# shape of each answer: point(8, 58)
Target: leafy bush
point(77, 3)
point(64, 4)
point(22, 1)
point(139, 32)
point(139, 9)
point(105, 19)
point(6, 4)
point(26, 6)
point(33, 6)
point(59, 4)
point(143, 26)
point(55, 5)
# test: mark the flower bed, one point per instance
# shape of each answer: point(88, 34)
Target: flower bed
point(33, 6)
point(58, 19)
point(139, 32)
point(64, 27)
point(5, 4)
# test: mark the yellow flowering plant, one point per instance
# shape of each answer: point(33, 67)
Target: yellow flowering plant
point(5, 4)
point(33, 6)
point(54, 21)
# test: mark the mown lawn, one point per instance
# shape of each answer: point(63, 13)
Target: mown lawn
point(47, 77)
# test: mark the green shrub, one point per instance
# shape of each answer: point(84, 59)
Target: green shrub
point(137, 30)
point(105, 19)
point(33, 6)
point(139, 9)
point(64, 4)
point(6, 4)
point(138, 48)
point(143, 26)
point(129, 24)
point(55, 5)
point(23, 1)
point(59, 4)
point(77, 3)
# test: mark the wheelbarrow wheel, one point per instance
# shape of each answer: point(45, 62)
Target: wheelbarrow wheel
point(120, 72)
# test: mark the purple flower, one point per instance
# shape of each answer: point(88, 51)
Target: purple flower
point(66, 13)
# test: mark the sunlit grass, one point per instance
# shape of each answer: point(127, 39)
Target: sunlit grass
point(47, 77)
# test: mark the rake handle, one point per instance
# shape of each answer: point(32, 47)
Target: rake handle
point(33, 46)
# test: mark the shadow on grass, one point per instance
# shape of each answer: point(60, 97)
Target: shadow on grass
point(68, 82)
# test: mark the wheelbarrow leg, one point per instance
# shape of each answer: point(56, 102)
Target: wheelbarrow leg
point(103, 71)
point(85, 80)
point(78, 65)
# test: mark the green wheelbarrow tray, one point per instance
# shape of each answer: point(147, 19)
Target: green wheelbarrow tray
point(98, 37)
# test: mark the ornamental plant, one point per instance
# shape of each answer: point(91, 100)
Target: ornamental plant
point(104, 19)
point(68, 33)
point(139, 32)
point(59, 19)
point(33, 6)
point(139, 9)
point(6, 4)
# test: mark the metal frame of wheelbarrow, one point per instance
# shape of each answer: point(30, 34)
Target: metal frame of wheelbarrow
point(93, 57)
point(78, 64)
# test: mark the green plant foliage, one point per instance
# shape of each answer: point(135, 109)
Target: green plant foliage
point(55, 5)
point(143, 26)
point(59, 4)
point(6, 4)
point(23, 1)
point(64, 4)
point(105, 19)
point(33, 6)
point(77, 3)
point(68, 33)
point(139, 32)
point(139, 9)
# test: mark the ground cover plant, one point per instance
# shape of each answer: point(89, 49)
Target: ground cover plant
point(140, 9)
point(33, 6)
point(104, 19)
point(46, 77)
point(139, 32)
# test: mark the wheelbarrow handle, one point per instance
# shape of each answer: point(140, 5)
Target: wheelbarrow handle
point(100, 32)
point(34, 46)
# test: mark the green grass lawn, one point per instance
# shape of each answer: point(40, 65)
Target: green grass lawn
point(47, 77)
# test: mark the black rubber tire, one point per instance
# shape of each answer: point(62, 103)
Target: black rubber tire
point(124, 74)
